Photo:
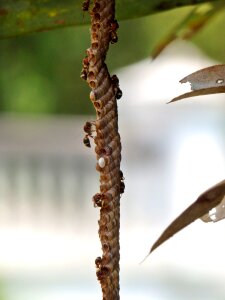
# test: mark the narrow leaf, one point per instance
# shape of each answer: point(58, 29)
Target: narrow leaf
point(206, 81)
point(189, 26)
point(212, 198)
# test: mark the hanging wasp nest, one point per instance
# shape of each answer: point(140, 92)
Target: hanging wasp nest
point(104, 131)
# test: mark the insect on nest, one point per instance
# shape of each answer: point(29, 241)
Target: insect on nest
point(117, 90)
point(86, 5)
point(89, 130)
point(113, 28)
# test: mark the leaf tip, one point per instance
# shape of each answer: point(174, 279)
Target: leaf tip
point(143, 260)
point(184, 80)
point(169, 101)
point(173, 100)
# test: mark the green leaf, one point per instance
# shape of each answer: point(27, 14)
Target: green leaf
point(19, 17)
point(190, 25)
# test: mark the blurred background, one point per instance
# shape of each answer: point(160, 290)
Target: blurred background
point(171, 154)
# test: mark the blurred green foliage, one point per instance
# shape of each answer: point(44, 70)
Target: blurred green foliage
point(40, 73)
point(212, 39)
point(19, 17)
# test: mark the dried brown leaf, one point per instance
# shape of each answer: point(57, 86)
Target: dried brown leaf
point(214, 197)
point(206, 81)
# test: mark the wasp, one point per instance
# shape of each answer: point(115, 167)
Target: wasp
point(88, 129)
point(121, 176)
point(86, 5)
point(114, 37)
point(84, 71)
point(86, 141)
point(98, 262)
point(115, 80)
point(114, 25)
point(122, 184)
point(113, 28)
point(122, 187)
point(117, 90)
point(83, 74)
point(119, 93)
